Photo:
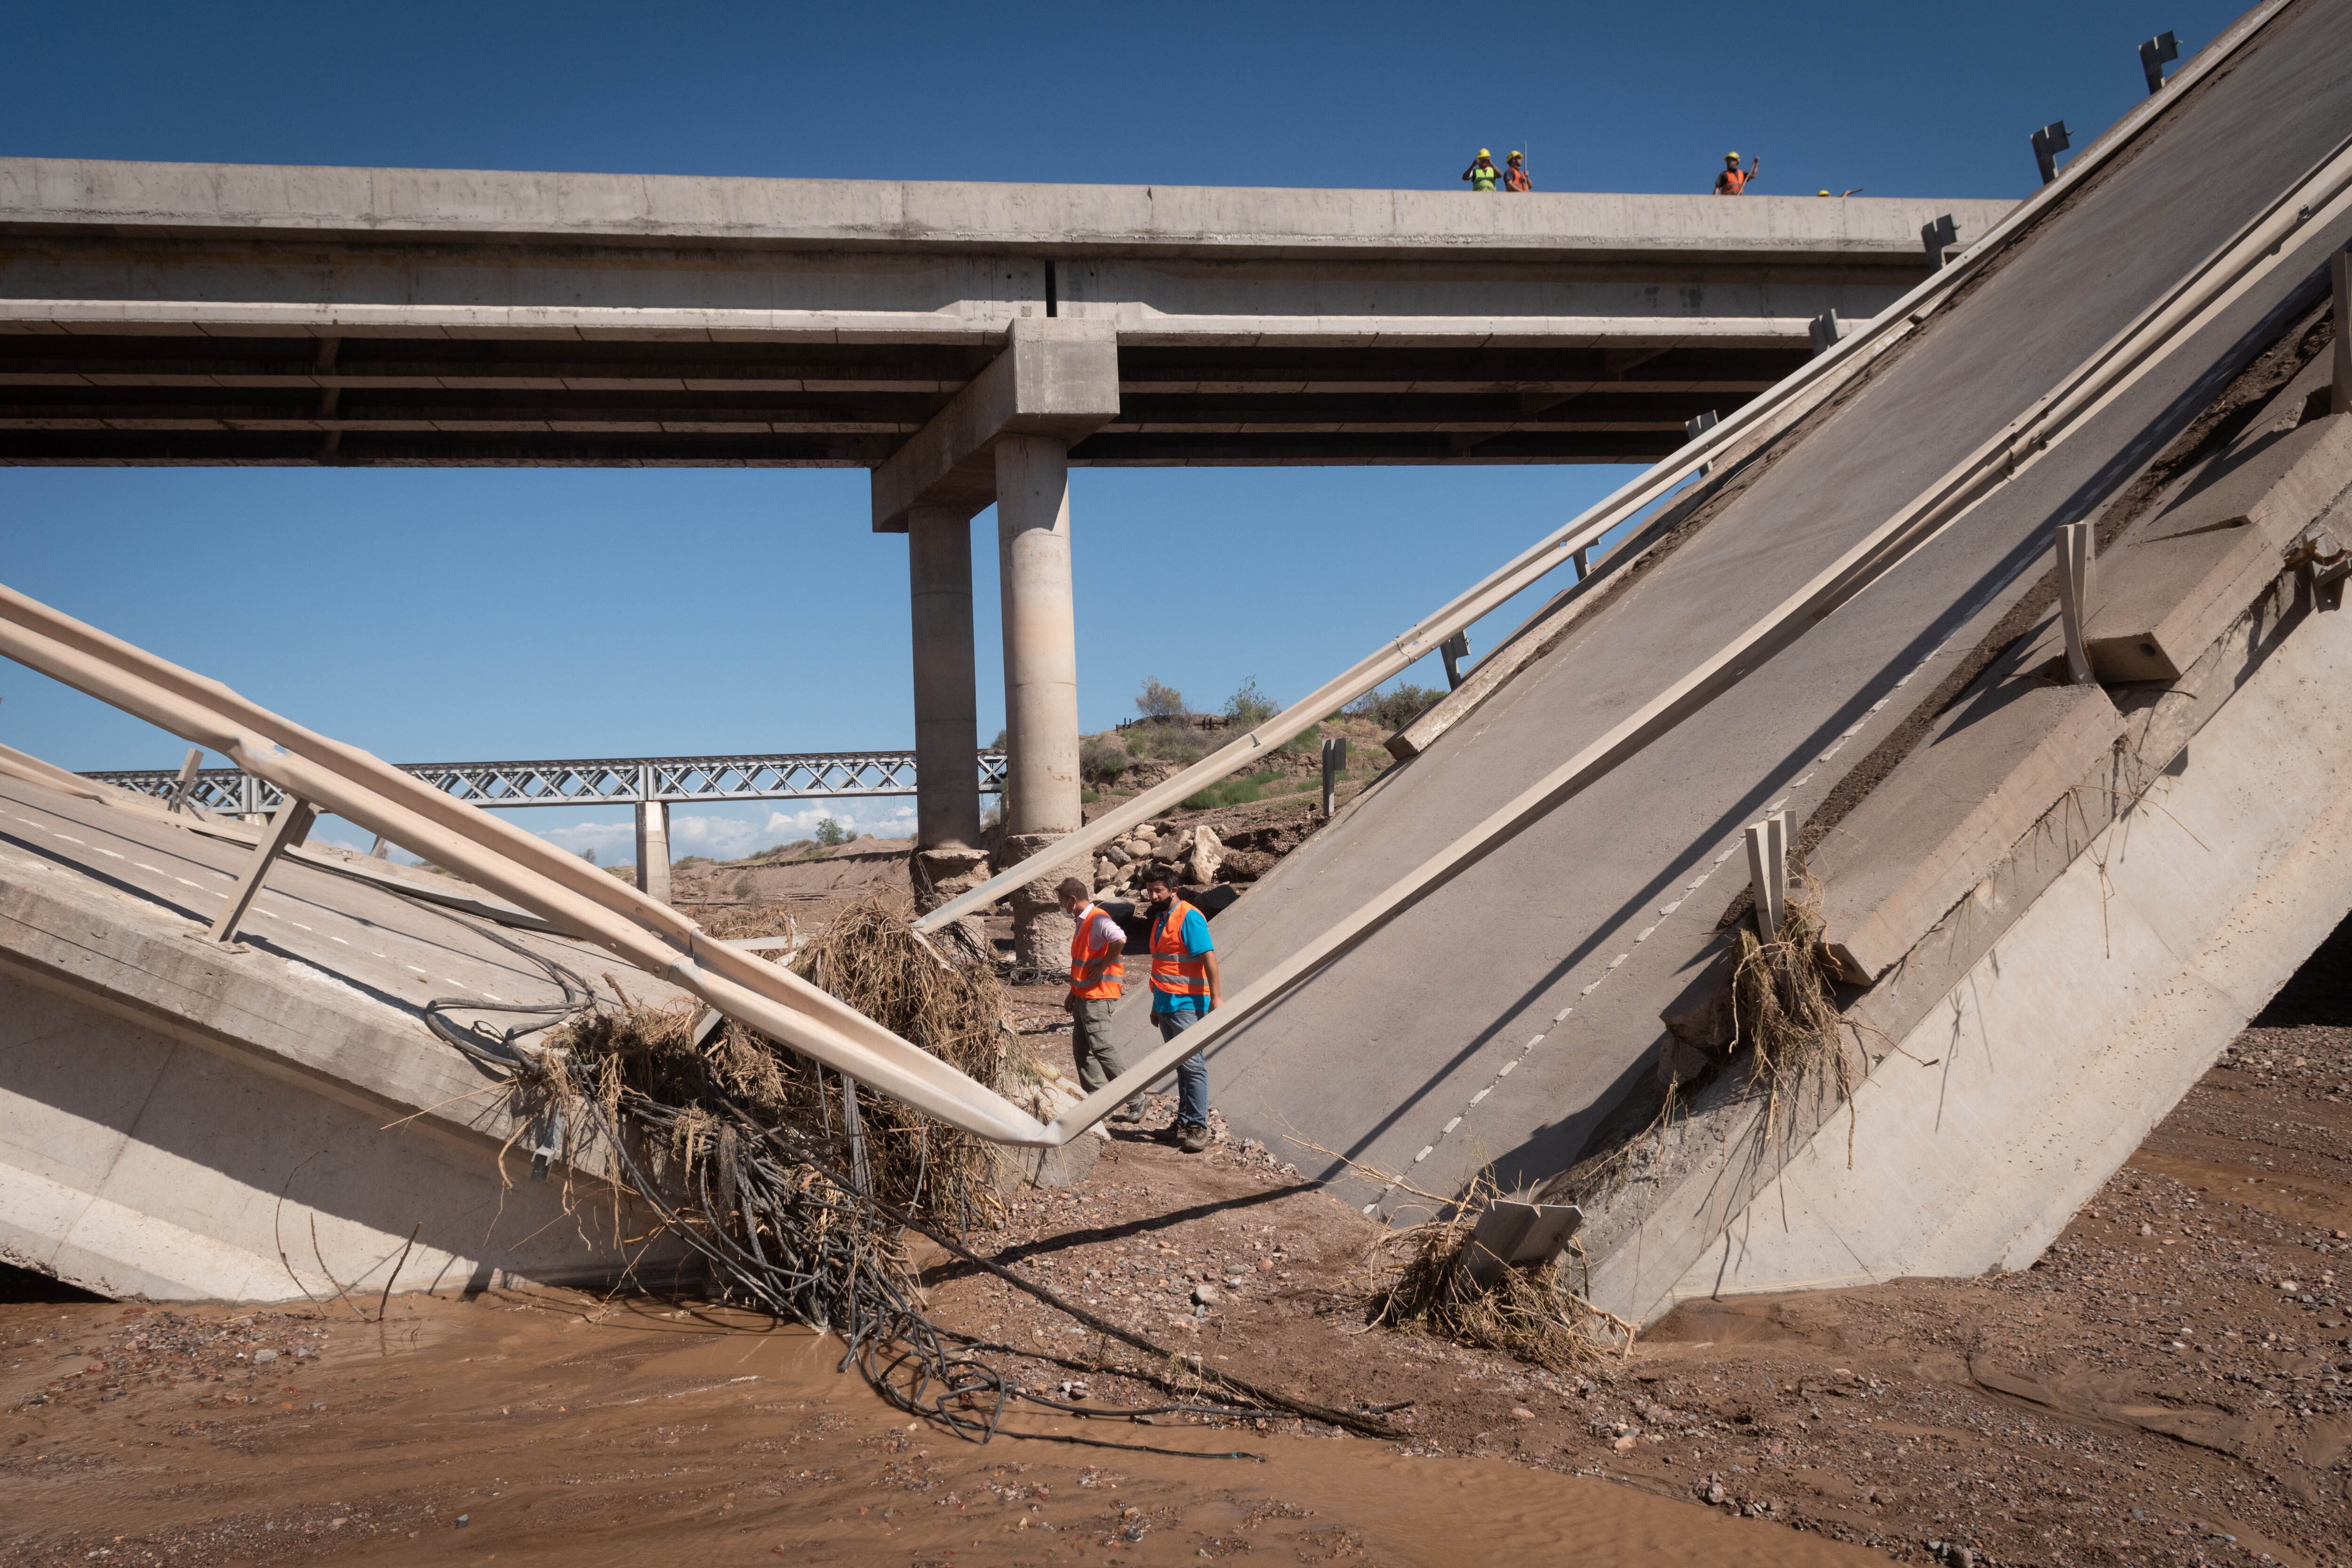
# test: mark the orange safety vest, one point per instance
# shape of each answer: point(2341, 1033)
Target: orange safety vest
point(1094, 975)
point(1516, 179)
point(1730, 182)
point(1171, 972)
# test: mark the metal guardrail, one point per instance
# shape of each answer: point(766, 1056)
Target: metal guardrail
point(597, 781)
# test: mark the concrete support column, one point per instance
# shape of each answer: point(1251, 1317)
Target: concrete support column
point(653, 850)
point(947, 856)
point(1041, 679)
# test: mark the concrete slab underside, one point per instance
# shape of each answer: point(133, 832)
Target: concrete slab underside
point(184, 1121)
point(1505, 1017)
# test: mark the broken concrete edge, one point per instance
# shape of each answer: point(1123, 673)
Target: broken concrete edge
point(1923, 839)
point(2021, 742)
point(1669, 1198)
point(2165, 591)
point(2143, 739)
point(2039, 1069)
point(1058, 377)
point(178, 984)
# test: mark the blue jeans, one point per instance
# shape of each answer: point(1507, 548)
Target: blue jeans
point(1191, 1073)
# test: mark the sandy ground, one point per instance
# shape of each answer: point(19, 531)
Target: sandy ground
point(2172, 1384)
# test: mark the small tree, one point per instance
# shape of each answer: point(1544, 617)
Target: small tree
point(1159, 701)
point(831, 834)
point(589, 855)
point(1248, 708)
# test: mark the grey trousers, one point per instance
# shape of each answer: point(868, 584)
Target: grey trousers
point(1097, 1063)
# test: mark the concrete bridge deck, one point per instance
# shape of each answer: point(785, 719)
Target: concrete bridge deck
point(180, 1120)
point(1514, 1016)
point(171, 312)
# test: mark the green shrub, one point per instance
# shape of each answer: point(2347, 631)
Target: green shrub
point(1173, 742)
point(1248, 708)
point(1159, 701)
point(1232, 791)
point(830, 833)
point(1395, 708)
point(1102, 758)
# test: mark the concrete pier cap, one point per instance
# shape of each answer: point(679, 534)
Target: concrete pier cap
point(1004, 440)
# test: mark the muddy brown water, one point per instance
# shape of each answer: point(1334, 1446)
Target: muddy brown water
point(550, 1428)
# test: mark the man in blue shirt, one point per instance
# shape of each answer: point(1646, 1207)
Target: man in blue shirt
point(1186, 988)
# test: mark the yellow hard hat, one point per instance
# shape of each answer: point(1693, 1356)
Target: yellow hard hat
point(1821, 192)
point(1516, 154)
point(1484, 153)
point(1731, 157)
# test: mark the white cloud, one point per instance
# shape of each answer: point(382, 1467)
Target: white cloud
point(614, 842)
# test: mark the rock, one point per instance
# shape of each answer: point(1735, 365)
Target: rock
point(1205, 1294)
point(1625, 1444)
point(1205, 856)
point(263, 1357)
point(1245, 865)
point(1714, 1493)
point(1117, 856)
point(1266, 1265)
point(1106, 871)
point(1522, 1413)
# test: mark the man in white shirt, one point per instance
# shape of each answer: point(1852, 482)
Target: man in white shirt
point(1097, 962)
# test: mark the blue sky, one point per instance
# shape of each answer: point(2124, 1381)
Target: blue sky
point(463, 614)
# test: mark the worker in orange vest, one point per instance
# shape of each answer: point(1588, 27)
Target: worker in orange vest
point(1185, 989)
point(1097, 958)
point(1731, 182)
point(1515, 174)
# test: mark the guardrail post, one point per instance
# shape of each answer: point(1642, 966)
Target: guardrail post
point(2154, 55)
point(1824, 331)
point(289, 827)
point(2074, 571)
point(1335, 763)
point(1583, 559)
point(187, 779)
point(2340, 278)
point(1767, 873)
point(1454, 650)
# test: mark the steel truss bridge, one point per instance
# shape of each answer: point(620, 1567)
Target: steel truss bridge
point(596, 780)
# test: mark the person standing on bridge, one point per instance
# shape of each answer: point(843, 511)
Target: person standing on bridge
point(1515, 177)
point(1482, 172)
point(1097, 958)
point(1186, 988)
point(1731, 182)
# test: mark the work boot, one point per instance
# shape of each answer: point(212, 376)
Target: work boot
point(1131, 1112)
point(1193, 1137)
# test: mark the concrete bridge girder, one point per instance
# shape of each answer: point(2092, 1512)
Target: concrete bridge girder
point(169, 312)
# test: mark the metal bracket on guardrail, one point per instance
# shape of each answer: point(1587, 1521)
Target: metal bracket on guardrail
point(1768, 872)
point(2324, 564)
point(2154, 55)
point(1938, 238)
point(2048, 142)
point(2076, 562)
point(1454, 650)
point(1824, 329)
point(289, 827)
point(1335, 763)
